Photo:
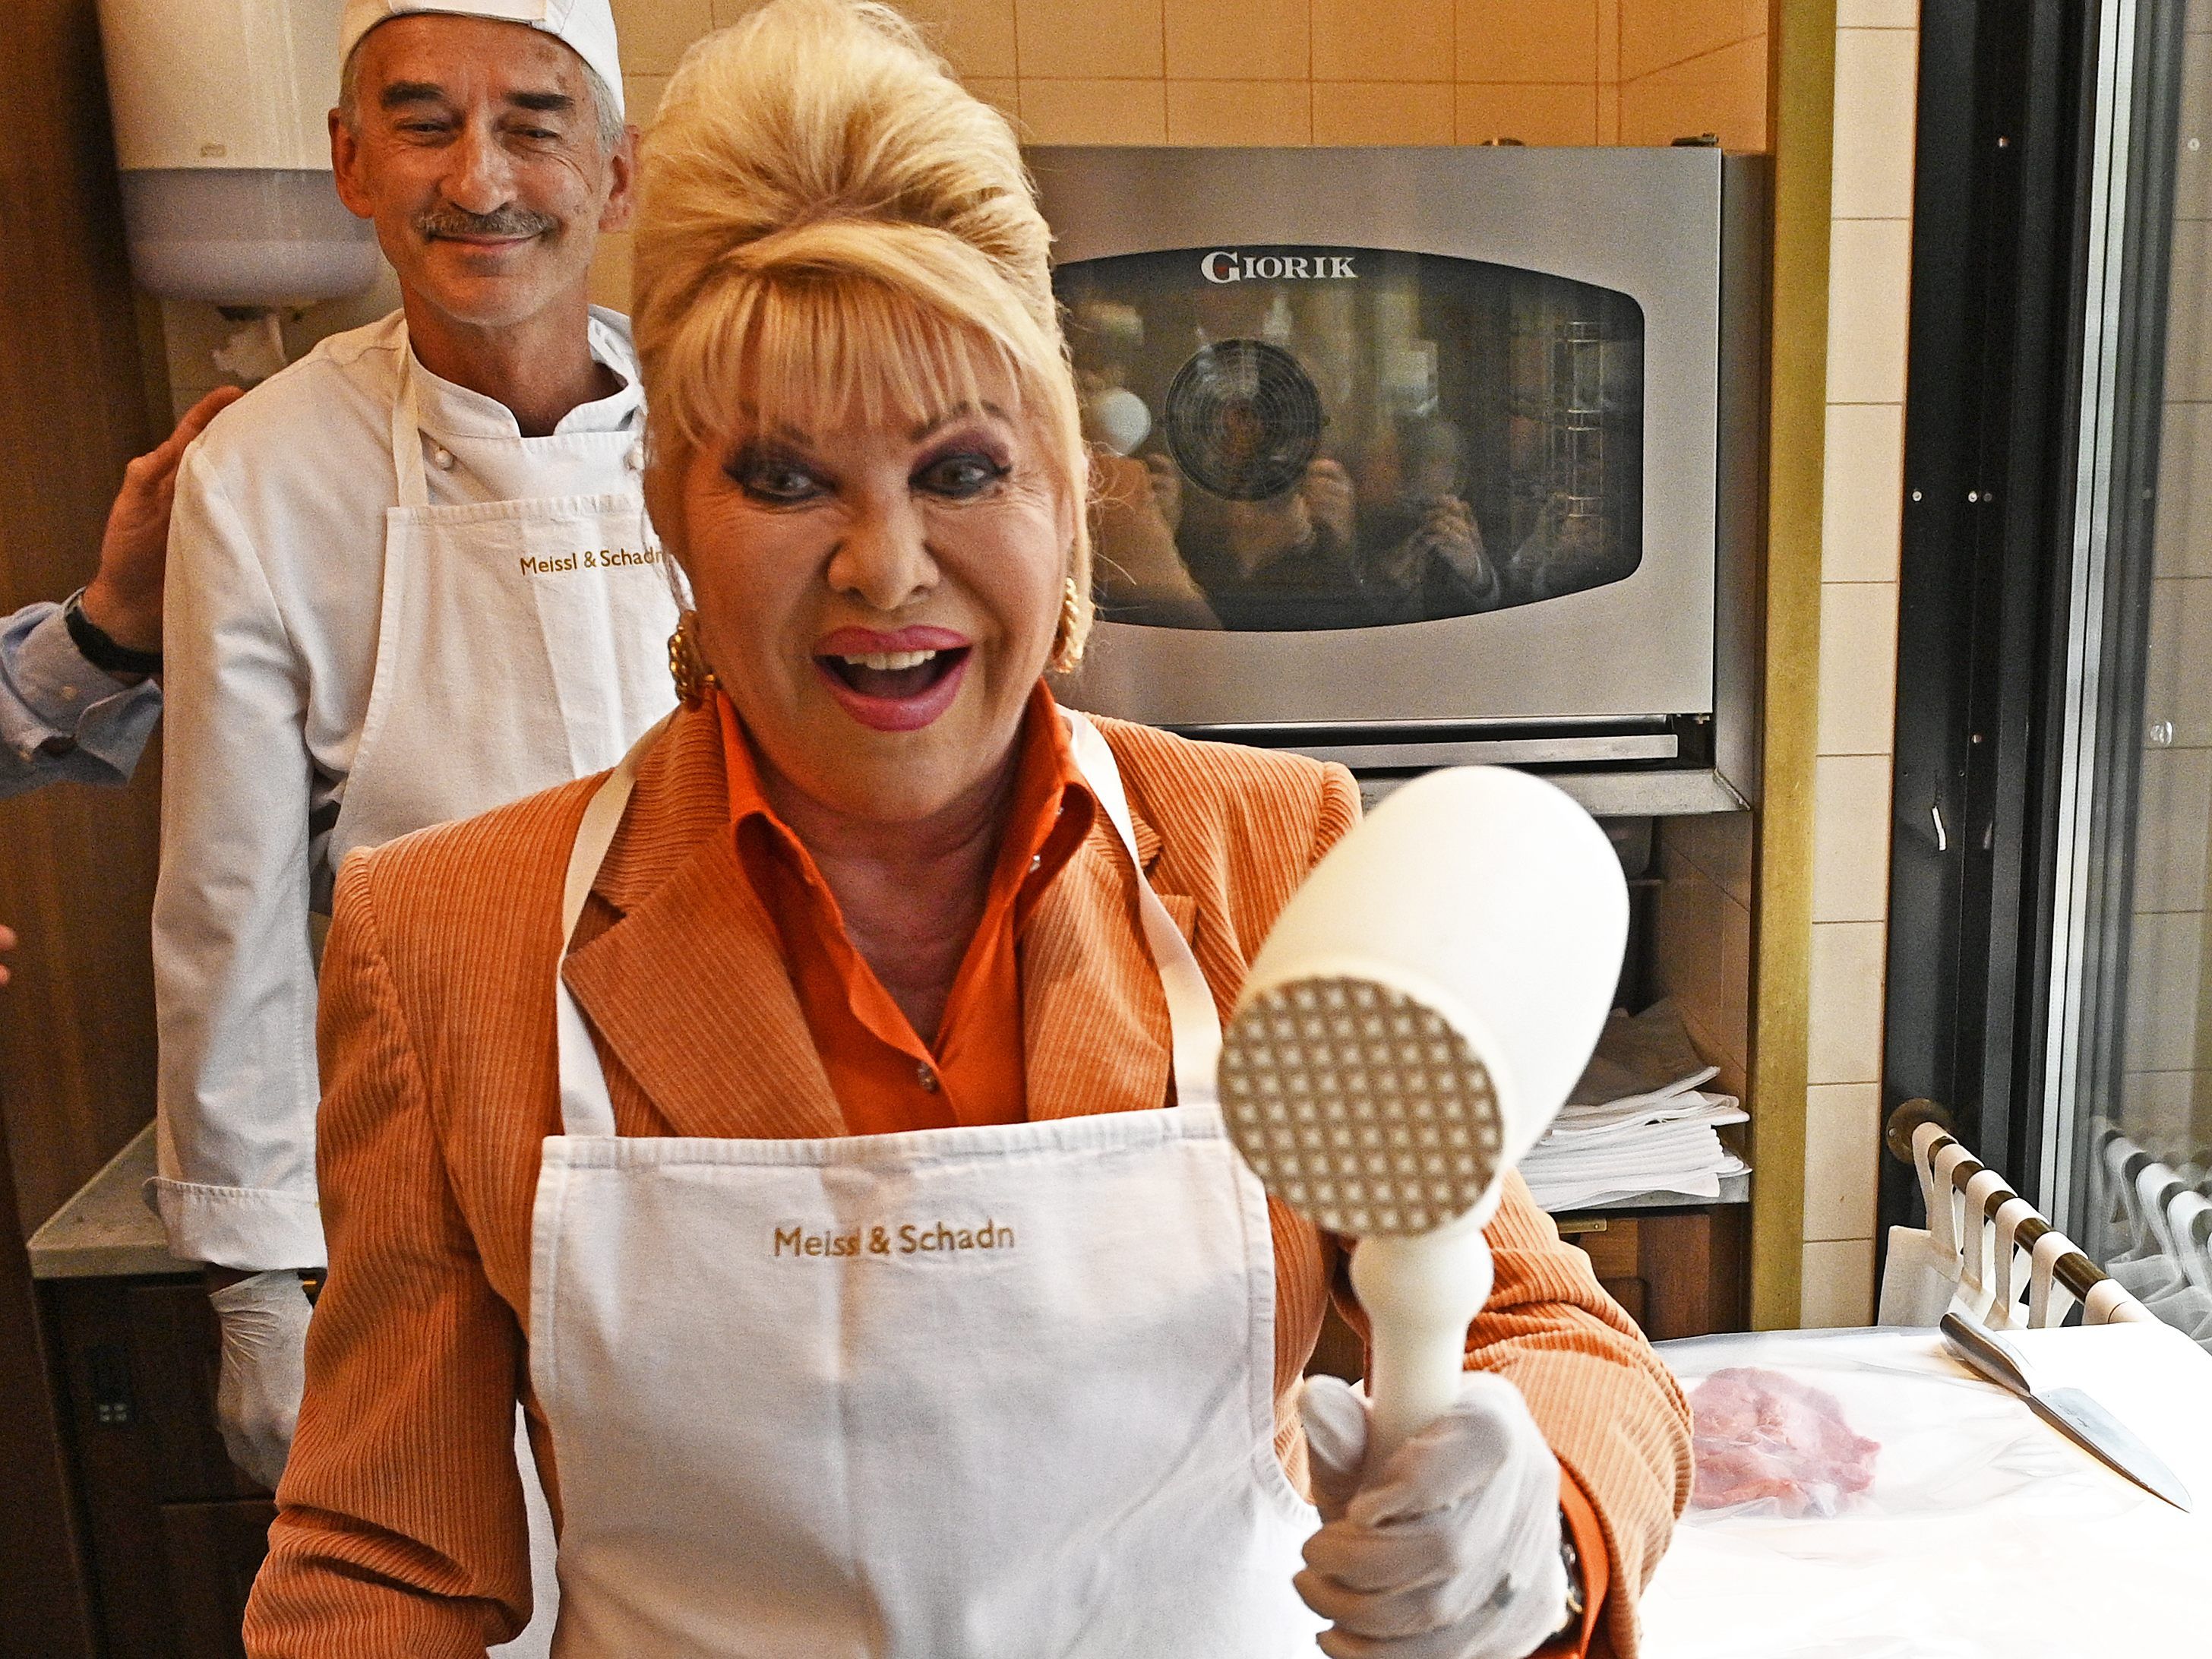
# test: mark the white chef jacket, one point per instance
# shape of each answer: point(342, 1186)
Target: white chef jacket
point(62, 720)
point(276, 582)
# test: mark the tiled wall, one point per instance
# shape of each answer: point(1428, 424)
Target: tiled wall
point(1326, 71)
point(1870, 245)
point(2167, 1104)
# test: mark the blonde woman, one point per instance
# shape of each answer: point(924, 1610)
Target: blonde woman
point(780, 1117)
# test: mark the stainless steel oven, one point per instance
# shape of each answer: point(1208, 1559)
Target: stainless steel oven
point(1410, 457)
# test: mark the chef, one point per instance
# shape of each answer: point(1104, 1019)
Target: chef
point(413, 577)
point(812, 1121)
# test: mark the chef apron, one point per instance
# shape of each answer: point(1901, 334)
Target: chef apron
point(998, 1391)
point(521, 644)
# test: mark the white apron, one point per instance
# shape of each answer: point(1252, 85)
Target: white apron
point(951, 1393)
point(520, 644)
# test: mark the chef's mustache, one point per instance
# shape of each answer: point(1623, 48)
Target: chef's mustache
point(453, 221)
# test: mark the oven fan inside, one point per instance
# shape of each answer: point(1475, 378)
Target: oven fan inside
point(1243, 419)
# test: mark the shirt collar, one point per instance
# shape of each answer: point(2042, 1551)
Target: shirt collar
point(455, 411)
point(1050, 813)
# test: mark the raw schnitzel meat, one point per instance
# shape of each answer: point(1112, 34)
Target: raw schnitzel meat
point(1762, 1434)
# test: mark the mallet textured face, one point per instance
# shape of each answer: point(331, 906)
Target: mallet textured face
point(1360, 1107)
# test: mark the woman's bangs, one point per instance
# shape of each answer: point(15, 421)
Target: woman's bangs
point(824, 356)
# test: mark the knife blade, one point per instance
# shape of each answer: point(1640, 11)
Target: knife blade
point(2072, 1412)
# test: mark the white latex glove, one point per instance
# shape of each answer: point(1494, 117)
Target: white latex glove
point(265, 1370)
point(1451, 1549)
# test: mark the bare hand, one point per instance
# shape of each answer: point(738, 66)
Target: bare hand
point(1327, 493)
point(123, 600)
point(7, 944)
point(1448, 531)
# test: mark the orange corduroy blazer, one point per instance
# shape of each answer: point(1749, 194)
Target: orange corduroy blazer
point(400, 1527)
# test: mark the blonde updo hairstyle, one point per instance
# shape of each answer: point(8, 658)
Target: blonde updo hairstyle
point(831, 228)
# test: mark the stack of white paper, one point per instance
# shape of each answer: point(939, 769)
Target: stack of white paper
point(1637, 1122)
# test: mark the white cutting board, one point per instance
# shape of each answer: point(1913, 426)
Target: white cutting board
point(1986, 1532)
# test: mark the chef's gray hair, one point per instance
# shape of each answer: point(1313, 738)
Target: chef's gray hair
point(605, 109)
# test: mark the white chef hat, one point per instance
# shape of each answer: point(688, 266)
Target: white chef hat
point(587, 26)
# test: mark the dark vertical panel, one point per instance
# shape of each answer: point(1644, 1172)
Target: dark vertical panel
point(2001, 186)
point(76, 866)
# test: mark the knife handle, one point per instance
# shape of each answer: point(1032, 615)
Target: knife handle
point(1985, 1354)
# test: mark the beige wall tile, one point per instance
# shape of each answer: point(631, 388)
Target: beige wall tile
point(2164, 969)
point(1870, 282)
point(1531, 40)
point(2178, 677)
point(1239, 112)
point(1839, 1285)
point(1877, 79)
point(1863, 493)
point(1722, 93)
point(610, 270)
point(641, 97)
point(654, 33)
point(1095, 112)
point(2173, 818)
point(2198, 17)
point(1089, 39)
point(1401, 40)
point(2184, 489)
point(1609, 42)
point(727, 12)
point(1842, 1155)
point(2189, 319)
point(1003, 94)
point(975, 36)
point(1877, 13)
point(1858, 668)
point(1608, 112)
point(2192, 164)
point(1534, 115)
point(1843, 1012)
point(1371, 113)
point(1246, 40)
point(1655, 33)
point(1850, 837)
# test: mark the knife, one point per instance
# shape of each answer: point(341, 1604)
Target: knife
point(2070, 1411)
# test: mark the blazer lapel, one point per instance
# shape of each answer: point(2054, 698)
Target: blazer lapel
point(1094, 1019)
point(688, 988)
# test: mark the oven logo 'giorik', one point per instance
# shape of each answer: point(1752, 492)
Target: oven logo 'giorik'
point(1225, 266)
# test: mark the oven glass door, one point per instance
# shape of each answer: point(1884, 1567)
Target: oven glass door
point(1341, 438)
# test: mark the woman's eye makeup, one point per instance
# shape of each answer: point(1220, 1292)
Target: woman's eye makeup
point(961, 474)
point(769, 476)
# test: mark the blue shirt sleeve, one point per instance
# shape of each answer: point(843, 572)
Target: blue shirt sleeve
point(62, 720)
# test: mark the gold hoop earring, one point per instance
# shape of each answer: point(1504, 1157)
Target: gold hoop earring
point(694, 679)
point(1067, 651)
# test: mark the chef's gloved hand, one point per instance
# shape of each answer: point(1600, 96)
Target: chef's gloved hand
point(265, 1370)
point(1451, 1549)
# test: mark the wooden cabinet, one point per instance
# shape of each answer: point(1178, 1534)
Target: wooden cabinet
point(1679, 1273)
point(173, 1532)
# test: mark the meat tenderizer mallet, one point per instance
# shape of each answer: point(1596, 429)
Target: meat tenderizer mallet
point(1408, 1031)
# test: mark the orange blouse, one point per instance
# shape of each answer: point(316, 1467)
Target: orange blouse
point(885, 1078)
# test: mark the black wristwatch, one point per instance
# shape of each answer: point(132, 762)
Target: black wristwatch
point(95, 647)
